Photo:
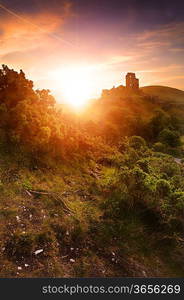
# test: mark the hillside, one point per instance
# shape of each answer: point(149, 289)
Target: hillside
point(165, 93)
point(89, 197)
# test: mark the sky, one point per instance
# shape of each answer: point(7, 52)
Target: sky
point(61, 43)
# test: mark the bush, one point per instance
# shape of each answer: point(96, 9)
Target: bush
point(163, 188)
point(137, 142)
point(170, 137)
point(159, 147)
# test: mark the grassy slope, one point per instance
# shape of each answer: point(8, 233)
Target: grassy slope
point(165, 93)
point(33, 222)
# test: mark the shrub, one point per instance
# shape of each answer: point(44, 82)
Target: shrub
point(27, 184)
point(163, 188)
point(137, 142)
point(170, 137)
point(159, 147)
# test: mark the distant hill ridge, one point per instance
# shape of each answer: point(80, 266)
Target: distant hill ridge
point(165, 93)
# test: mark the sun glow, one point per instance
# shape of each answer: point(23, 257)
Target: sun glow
point(74, 85)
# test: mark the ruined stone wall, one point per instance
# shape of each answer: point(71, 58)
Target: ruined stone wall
point(132, 82)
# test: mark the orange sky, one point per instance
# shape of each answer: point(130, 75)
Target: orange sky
point(47, 43)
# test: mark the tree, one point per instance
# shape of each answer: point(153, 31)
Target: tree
point(14, 87)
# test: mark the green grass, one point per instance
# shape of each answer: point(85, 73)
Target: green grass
point(72, 225)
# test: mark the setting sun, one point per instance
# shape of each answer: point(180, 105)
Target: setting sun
point(74, 85)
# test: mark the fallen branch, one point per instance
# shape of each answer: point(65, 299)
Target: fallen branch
point(38, 192)
point(27, 192)
point(54, 196)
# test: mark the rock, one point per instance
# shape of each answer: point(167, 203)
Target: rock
point(26, 265)
point(19, 268)
point(177, 160)
point(72, 260)
point(18, 219)
point(38, 251)
point(67, 232)
point(144, 273)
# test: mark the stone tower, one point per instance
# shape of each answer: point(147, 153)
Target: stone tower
point(132, 82)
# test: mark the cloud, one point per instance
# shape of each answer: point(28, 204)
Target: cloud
point(29, 31)
point(154, 44)
point(155, 55)
point(120, 59)
point(170, 68)
point(165, 32)
point(165, 36)
point(169, 79)
point(176, 50)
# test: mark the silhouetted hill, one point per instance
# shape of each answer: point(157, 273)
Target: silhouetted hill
point(165, 93)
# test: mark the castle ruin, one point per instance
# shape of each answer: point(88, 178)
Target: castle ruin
point(132, 85)
point(132, 82)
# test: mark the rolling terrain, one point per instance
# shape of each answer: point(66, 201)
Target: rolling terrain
point(164, 93)
point(95, 195)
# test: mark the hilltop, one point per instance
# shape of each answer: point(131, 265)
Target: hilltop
point(165, 93)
